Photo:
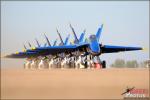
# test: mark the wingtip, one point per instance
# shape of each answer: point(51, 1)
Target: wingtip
point(7, 56)
point(144, 49)
point(4, 56)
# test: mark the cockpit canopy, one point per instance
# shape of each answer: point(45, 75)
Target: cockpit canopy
point(92, 37)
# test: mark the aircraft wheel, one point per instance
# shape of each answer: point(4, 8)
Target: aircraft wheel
point(104, 64)
point(86, 64)
point(24, 66)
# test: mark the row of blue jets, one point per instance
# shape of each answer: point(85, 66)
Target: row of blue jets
point(80, 53)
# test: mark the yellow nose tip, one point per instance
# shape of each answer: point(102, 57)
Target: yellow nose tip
point(33, 48)
point(145, 49)
point(24, 50)
point(17, 52)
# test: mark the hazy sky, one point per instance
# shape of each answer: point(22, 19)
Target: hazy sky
point(125, 23)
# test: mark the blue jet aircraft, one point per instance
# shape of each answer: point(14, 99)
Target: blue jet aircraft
point(91, 47)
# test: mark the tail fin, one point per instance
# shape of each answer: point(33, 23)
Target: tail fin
point(55, 42)
point(47, 40)
point(37, 42)
point(29, 45)
point(45, 44)
point(24, 47)
point(99, 32)
point(67, 38)
point(24, 50)
point(86, 40)
point(60, 37)
point(75, 36)
point(82, 37)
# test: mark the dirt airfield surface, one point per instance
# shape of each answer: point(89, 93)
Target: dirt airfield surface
point(71, 83)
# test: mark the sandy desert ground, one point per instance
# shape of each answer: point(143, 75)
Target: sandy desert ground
point(71, 83)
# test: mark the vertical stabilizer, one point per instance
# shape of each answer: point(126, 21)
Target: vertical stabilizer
point(55, 42)
point(47, 40)
point(29, 45)
point(98, 34)
point(60, 37)
point(67, 38)
point(24, 47)
point(75, 36)
point(82, 37)
point(45, 44)
point(37, 42)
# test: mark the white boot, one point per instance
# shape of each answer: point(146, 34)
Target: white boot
point(32, 64)
point(41, 64)
point(78, 62)
point(27, 65)
point(82, 66)
point(51, 63)
point(63, 63)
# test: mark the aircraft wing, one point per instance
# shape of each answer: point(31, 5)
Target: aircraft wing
point(112, 49)
point(50, 50)
point(22, 55)
point(60, 49)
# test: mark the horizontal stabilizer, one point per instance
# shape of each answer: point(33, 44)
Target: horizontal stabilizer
point(112, 49)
